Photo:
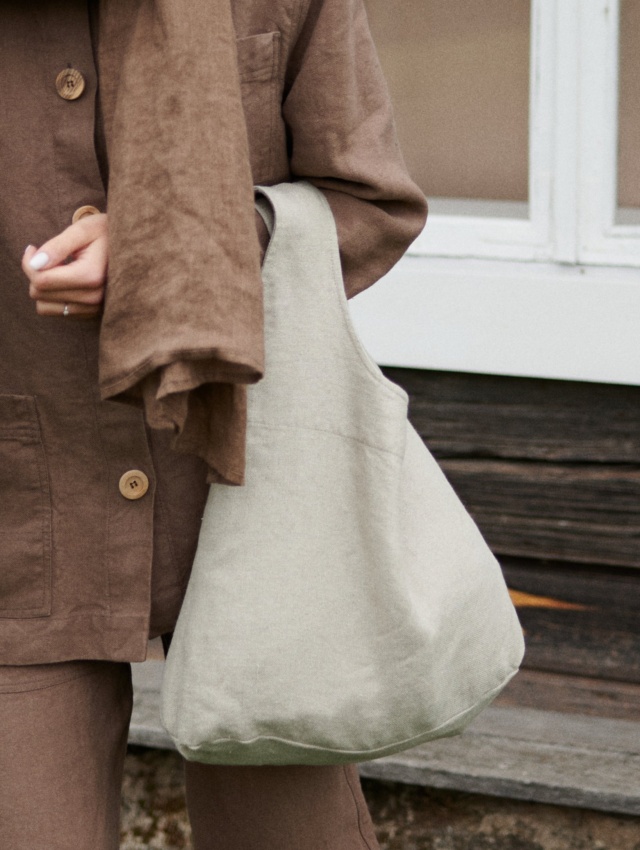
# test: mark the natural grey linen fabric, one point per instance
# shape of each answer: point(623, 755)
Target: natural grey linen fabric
point(342, 605)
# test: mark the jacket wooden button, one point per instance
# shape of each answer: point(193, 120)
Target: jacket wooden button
point(82, 212)
point(70, 84)
point(134, 484)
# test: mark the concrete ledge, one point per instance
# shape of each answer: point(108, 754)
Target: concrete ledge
point(528, 754)
point(518, 753)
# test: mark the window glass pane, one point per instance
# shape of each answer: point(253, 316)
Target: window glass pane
point(629, 115)
point(459, 77)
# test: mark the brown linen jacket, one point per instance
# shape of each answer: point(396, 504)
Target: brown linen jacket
point(86, 571)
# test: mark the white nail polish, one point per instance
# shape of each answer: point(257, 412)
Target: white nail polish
point(39, 261)
point(27, 248)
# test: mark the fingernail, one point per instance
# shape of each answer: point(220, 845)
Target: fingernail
point(27, 248)
point(39, 261)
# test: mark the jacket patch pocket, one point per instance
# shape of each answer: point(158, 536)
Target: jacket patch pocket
point(258, 61)
point(25, 512)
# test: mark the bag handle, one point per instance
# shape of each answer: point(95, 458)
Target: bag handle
point(266, 211)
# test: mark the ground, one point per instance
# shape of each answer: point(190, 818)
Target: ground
point(406, 818)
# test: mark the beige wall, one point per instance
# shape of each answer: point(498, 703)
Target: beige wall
point(459, 77)
point(629, 105)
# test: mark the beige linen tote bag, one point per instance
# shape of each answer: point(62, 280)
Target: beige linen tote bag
point(342, 604)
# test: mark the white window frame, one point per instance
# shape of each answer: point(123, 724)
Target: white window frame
point(542, 296)
point(527, 235)
point(602, 240)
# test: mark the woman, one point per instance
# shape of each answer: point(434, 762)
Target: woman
point(99, 512)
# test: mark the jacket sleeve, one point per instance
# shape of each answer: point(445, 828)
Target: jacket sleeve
point(343, 139)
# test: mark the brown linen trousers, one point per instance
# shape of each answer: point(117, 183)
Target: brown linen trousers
point(87, 574)
point(63, 732)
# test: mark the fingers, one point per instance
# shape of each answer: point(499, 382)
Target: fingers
point(73, 311)
point(70, 270)
point(68, 243)
point(87, 270)
point(88, 297)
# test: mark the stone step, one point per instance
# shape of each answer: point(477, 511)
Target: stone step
point(514, 752)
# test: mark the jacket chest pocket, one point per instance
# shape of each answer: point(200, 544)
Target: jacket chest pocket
point(25, 512)
point(258, 61)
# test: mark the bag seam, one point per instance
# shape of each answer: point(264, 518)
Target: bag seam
point(335, 433)
point(357, 805)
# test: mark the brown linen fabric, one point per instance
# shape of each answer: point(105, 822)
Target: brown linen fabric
point(87, 574)
point(182, 325)
point(63, 737)
point(63, 740)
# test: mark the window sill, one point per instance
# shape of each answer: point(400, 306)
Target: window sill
point(497, 317)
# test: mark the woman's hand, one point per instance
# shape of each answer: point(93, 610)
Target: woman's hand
point(68, 274)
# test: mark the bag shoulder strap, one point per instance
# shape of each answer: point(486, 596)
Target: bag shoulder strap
point(306, 312)
point(318, 375)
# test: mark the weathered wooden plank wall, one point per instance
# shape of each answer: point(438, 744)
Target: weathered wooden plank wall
point(579, 620)
point(550, 470)
point(463, 415)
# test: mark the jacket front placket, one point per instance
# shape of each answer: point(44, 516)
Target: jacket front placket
point(76, 573)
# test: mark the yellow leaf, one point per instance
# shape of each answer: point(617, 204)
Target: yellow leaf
point(528, 600)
